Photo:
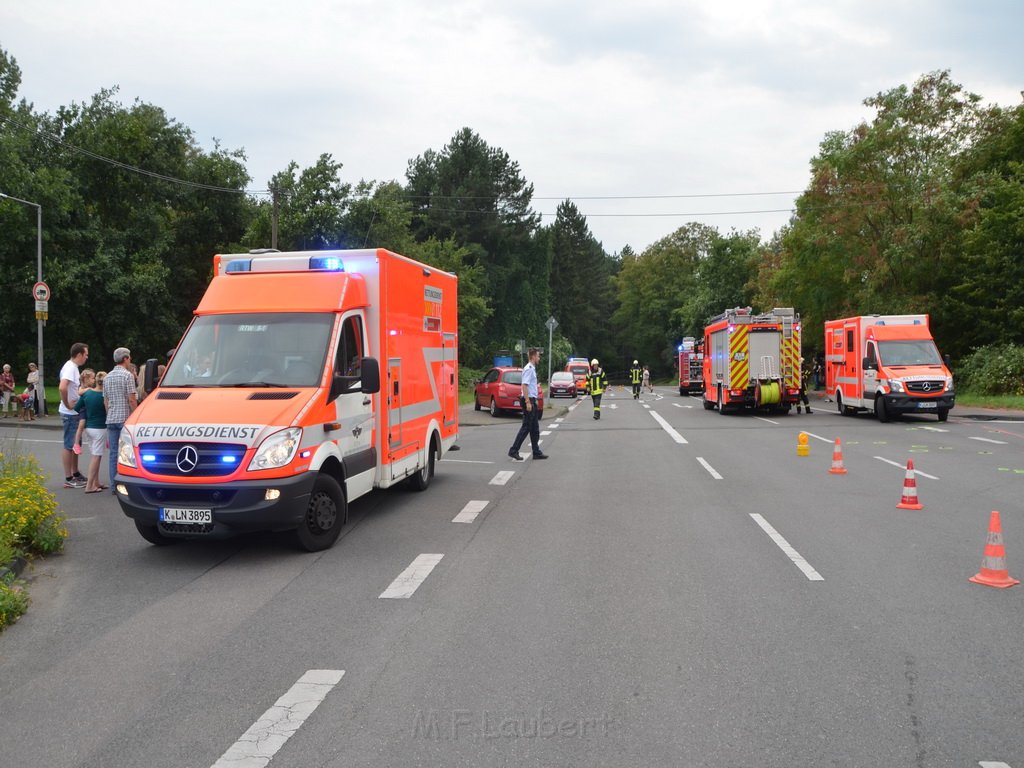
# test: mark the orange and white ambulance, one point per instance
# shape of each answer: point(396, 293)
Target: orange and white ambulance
point(888, 364)
point(304, 381)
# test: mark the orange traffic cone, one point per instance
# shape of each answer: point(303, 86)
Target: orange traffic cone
point(909, 500)
point(993, 571)
point(837, 459)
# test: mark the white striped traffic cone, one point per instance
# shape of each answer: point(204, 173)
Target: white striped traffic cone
point(993, 571)
point(837, 459)
point(909, 500)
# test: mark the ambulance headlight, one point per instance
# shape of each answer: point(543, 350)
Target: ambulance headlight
point(896, 385)
point(949, 383)
point(277, 450)
point(126, 449)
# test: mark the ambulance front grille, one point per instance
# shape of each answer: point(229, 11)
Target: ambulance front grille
point(932, 386)
point(202, 460)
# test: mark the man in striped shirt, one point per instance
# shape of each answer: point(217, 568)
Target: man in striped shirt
point(119, 392)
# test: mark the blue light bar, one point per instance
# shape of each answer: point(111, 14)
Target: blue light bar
point(148, 457)
point(239, 265)
point(229, 459)
point(329, 263)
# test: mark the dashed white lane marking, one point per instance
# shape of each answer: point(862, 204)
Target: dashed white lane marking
point(266, 736)
point(988, 440)
point(545, 433)
point(993, 764)
point(904, 466)
point(470, 511)
point(502, 477)
point(647, 406)
point(784, 545)
point(762, 418)
point(709, 468)
point(677, 405)
point(934, 429)
point(409, 580)
point(553, 426)
point(466, 461)
point(559, 420)
point(819, 437)
point(668, 428)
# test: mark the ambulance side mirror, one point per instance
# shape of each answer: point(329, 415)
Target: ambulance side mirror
point(869, 364)
point(368, 380)
point(151, 376)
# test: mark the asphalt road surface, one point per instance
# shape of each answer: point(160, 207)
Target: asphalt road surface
point(674, 587)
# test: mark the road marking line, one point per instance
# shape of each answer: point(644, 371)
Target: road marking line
point(762, 418)
point(988, 440)
point(545, 433)
point(502, 477)
point(465, 461)
point(993, 764)
point(470, 511)
point(552, 426)
point(818, 437)
point(668, 428)
point(558, 420)
point(647, 406)
point(258, 745)
point(784, 545)
point(709, 468)
point(409, 580)
point(904, 466)
point(934, 429)
point(27, 439)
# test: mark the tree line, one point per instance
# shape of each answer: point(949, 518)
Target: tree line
point(919, 210)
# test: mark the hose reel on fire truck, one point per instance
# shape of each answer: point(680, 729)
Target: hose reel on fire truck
point(768, 389)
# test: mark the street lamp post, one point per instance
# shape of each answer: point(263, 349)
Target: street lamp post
point(41, 394)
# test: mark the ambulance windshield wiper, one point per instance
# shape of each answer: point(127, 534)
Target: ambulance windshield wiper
point(253, 384)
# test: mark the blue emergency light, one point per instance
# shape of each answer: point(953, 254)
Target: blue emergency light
point(239, 265)
point(328, 263)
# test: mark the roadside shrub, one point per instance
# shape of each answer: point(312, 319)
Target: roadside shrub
point(29, 523)
point(996, 369)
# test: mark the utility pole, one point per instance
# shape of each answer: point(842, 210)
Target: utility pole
point(41, 394)
point(274, 210)
point(551, 324)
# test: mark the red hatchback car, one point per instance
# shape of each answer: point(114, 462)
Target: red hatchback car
point(500, 390)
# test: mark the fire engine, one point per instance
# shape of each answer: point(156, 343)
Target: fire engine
point(752, 361)
point(888, 364)
point(691, 365)
point(304, 381)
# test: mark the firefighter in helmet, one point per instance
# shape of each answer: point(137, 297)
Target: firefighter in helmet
point(596, 381)
point(802, 397)
point(636, 374)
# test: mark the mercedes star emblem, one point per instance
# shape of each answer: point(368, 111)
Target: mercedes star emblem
point(187, 459)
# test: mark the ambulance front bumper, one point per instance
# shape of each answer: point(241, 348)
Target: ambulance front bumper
point(899, 403)
point(221, 509)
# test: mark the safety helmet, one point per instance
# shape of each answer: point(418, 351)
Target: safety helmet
point(636, 362)
point(594, 361)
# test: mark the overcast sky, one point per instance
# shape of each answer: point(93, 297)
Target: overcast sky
point(592, 98)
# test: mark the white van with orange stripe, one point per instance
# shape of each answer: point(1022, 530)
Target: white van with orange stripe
point(304, 381)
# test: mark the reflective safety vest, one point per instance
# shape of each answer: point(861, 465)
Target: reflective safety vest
point(635, 374)
point(597, 381)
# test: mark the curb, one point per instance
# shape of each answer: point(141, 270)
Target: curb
point(13, 569)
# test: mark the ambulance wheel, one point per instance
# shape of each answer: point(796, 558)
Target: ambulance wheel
point(881, 411)
point(843, 410)
point(494, 408)
point(325, 515)
point(152, 534)
point(421, 479)
point(943, 414)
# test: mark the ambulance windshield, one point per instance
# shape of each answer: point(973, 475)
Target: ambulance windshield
point(909, 352)
point(258, 349)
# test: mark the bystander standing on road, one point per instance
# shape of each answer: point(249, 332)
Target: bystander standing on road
point(119, 393)
point(531, 415)
point(7, 388)
point(92, 431)
point(69, 382)
point(646, 382)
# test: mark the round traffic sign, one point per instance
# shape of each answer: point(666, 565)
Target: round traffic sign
point(41, 291)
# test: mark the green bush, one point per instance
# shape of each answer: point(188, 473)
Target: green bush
point(29, 523)
point(993, 370)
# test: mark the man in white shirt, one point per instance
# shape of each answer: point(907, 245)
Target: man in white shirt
point(69, 416)
point(531, 416)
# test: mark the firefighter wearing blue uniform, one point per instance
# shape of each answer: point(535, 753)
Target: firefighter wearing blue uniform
point(596, 381)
